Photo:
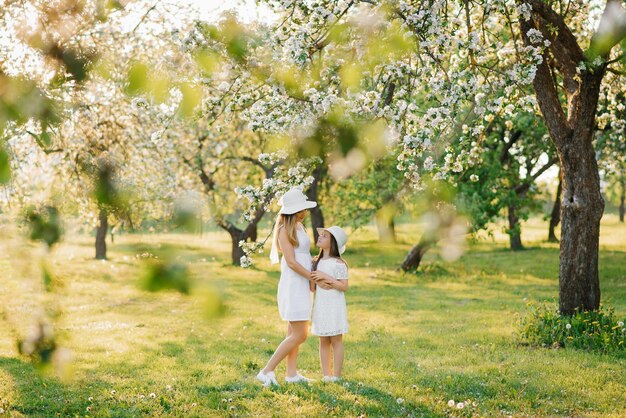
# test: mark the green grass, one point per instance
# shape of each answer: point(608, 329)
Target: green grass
point(448, 332)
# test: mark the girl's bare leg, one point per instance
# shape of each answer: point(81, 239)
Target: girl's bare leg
point(325, 355)
point(337, 343)
point(298, 336)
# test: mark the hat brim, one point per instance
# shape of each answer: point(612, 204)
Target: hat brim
point(343, 247)
point(290, 210)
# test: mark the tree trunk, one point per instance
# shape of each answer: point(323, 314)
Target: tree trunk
point(236, 250)
point(414, 258)
point(237, 235)
point(386, 227)
point(579, 285)
point(101, 233)
point(253, 233)
point(317, 217)
point(515, 236)
point(571, 130)
point(582, 204)
point(555, 216)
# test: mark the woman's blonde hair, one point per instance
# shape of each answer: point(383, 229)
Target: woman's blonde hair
point(291, 226)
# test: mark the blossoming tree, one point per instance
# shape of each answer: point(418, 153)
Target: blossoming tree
point(440, 72)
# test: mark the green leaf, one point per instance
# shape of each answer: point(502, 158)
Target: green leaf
point(44, 225)
point(5, 166)
point(167, 275)
point(191, 99)
point(208, 61)
point(137, 78)
point(105, 190)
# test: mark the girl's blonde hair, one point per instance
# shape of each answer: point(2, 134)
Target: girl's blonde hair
point(291, 226)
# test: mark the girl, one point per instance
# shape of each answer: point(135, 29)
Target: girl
point(294, 295)
point(330, 315)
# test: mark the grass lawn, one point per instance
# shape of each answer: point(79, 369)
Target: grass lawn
point(415, 342)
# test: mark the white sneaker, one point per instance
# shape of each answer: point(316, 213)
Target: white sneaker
point(267, 378)
point(298, 378)
point(330, 379)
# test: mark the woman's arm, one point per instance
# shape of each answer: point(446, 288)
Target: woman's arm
point(290, 255)
point(312, 285)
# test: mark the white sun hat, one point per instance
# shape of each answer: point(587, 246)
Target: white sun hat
point(294, 201)
point(340, 236)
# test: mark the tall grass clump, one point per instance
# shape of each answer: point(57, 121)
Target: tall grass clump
point(599, 330)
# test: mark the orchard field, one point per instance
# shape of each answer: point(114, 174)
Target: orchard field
point(417, 341)
point(474, 151)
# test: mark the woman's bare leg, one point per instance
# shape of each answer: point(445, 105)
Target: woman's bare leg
point(337, 343)
point(298, 336)
point(292, 356)
point(325, 356)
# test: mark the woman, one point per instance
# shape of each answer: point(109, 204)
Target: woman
point(294, 294)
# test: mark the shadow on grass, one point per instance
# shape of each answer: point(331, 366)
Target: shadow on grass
point(347, 398)
point(38, 395)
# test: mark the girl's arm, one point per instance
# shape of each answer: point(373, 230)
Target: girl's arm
point(341, 285)
point(341, 274)
point(290, 255)
point(325, 281)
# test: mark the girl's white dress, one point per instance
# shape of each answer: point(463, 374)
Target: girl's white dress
point(294, 292)
point(330, 314)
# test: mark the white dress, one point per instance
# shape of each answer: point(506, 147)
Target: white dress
point(330, 314)
point(294, 292)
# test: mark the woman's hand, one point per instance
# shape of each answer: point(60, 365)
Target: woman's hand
point(325, 284)
point(320, 275)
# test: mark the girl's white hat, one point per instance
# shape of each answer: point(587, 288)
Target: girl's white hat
point(340, 236)
point(294, 201)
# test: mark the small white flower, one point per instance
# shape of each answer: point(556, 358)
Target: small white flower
point(451, 403)
point(113, 392)
point(621, 324)
point(534, 36)
point(168, 387)
point(193, 404)
point(87, 409)
point(474, 178)
point(460, 405)
point(400, 401)
point(568, 326)
point(152, 395)
point(90, 399)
